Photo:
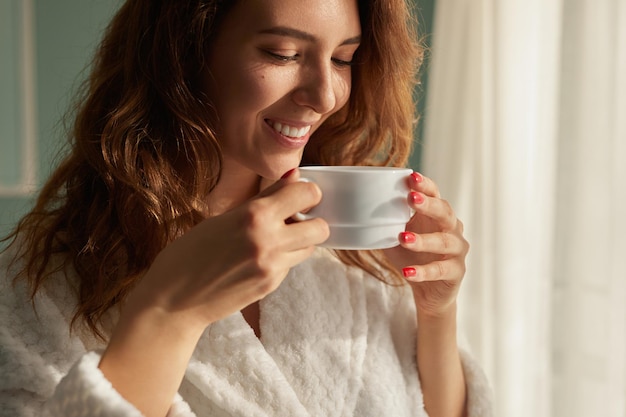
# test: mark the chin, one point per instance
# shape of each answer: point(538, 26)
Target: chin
point(275, 175)
point(276, 169)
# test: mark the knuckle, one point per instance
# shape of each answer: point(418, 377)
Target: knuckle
point(255, 212)
point(441, 269)
point(466, 246)
point(448, 210)
point(446, 242)
point(258, 215)
point(460, 226)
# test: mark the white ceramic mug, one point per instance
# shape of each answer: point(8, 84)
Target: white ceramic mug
point(365, 207)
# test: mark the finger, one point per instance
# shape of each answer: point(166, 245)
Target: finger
point(423, 184)
point(267, 273)
point(437, 209)
point(291, 259)
point(451, 270)
point(286, 198)
point(307, 233)
point(278, 263)
point(439, 243)
point(298, 256)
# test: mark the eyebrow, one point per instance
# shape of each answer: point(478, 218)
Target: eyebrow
point(305, 36)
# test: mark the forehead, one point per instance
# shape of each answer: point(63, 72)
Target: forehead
point(324, 18)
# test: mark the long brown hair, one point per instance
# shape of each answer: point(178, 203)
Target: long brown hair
point(143, 154)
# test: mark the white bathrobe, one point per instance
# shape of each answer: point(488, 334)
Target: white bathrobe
point(335, 342)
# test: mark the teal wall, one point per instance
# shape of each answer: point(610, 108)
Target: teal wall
point(10, 98)
point(65, 34)
point(424, 11)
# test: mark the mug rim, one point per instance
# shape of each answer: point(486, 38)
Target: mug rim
point(354, 168)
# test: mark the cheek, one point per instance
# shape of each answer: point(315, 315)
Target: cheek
point(236, 104)
point(343, 88)
point(254, 89)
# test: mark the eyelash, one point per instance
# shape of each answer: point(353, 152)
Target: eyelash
point(342, 63)
point(282, 58)
point(289, 58)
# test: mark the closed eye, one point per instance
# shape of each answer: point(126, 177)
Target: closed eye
point(342, 63)
point(282, 58)
point(294, 57)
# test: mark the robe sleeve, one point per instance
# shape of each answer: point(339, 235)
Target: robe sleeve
point(479, 393)
point(84, 391)
point(394, 307)
point(46, 370)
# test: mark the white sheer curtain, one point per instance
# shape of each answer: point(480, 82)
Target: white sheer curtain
point(525, 132)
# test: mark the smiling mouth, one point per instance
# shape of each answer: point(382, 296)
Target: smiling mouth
point(289, 131)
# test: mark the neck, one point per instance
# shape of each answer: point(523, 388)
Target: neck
point(236, 185)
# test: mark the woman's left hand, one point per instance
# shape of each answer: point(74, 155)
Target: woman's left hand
point(432, 250)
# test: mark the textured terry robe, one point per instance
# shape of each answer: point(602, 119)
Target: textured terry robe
point(334, 342)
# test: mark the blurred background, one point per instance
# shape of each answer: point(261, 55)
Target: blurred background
point(523, 126)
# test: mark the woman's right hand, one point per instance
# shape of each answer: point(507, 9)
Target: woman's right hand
point(217, 268)
point(232, 260)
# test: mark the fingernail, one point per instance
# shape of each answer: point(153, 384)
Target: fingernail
point(416, 198)
point(417, 177)
point(287, 174)
point(407, 237)
point(409, 272)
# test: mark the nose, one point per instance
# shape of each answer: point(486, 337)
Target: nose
point(320, 88)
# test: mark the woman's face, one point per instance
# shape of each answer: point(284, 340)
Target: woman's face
point(278, 70)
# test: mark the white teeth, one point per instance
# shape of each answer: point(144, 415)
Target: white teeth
point(292, 132)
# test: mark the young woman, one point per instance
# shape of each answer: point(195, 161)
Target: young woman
point(159, 274)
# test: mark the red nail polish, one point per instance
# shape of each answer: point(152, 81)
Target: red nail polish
point(409, 272)
point(407, 237)
point(416, 198)
point(417, 177)
point(287, 174)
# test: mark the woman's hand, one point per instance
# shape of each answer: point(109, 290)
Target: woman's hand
point(432, 258)
point(232, 260)
point(432, 250)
